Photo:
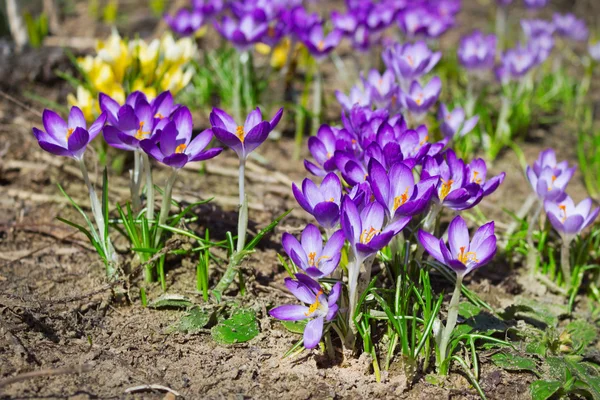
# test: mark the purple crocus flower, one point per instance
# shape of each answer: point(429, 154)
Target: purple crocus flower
point(360, 96)
point(322, 147)
point(310, 255)
point(176, 146)
point(535, 3)
point(185, 22)
point(323, 203)
point(570, 219)
point(381, 87)
point(536, 27)
point(419, 20)
point(419, 98)
point(594, 50)
point(410, 61)
point(542, 46)
point(321, 307)
point(245, 32)
point(516, 63)
point(464, 254)
point(67, 138)
point(136, 120)
point(366, 230)
point(454, 190)
point(208, 7)
point(503, 3)
point(477, 173)
point(346, 23)
point(477, 51)
point(318, 43)
point(452, 123)
point(548, 178)
point(396, 190)
point(569, 26)
point(243, 139)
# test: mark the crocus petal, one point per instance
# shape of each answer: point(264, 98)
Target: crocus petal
point(110, 106)
point(256, 136)
point(458, 236)
point(76, 119)
point(311, 239)
point(327, 214)
point(97, 126)
point(55, 149)
point(481, 234)
point(150, 148)
point(431, 245)
point(176, 160)
point(336, 290)
point(289, 312)
point(206, 155)
point(301, 199)
point(112, 137)
point(485, 251)
point(183, 120)
point(220, 119)
point(199, 143)
point(55, 126)
point(276, 118)
point(311, 283)
point(78, 140)
point(230, 140)
point(300, 290)
point(331, 313)
point(254, 118)
point(313, 333)
point(350, 220)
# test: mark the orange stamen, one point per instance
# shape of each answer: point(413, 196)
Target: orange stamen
point(400, 200)
point(321, 45)
point(180, 148)
point(367, 236)
point(446, 186)
point(239, 132)
point(563, 208)
point(466, 257)
point(475, 178)
point(313, 307)
point(140, 132)
point(70, 132)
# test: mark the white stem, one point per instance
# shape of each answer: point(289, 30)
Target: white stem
point(452, 318)
point(243, 213)
point(533, 253)
point(565, 260)
point(149, 188)
point(166, 205)
point(135, 181)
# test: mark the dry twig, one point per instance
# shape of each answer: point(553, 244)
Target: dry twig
point(75, 369)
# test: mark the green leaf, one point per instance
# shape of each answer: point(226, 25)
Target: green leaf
point(582, 333)
point(250, 246)
point(294, 326)
point(537, 347)
point(468, 310)
point(239, 328)
point(512, 362)
point(542, 389)
point(171, 301)
point(192, 322)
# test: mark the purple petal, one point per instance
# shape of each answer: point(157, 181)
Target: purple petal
point(300, 290)
point(256, 136)
point(431, 245)
point(150, 147)
point(183, 121)
point(334, 295)
point(55, 126)
point(311, 239)
point(77, 141)
point(97, 126)
point(289, 312)
point(55, 149)
point(220, 119)
point(313, 333)
point(176, 160)
point(327, 214)
point(76, 119)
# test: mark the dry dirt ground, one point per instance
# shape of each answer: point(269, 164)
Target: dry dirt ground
point(56, 311)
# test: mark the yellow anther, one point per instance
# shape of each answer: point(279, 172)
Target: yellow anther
point(400, 200)
point(410, 61)
point(180, 148)
point(239, 132)
point(311, 258)
point(159, 116)
point(466, 257)
point(446, 186)
point(422, 142)
point(367, 236)
point(70, 132)
point(321, 45)
point(313, 307)
point(140, 132)
point(475, 178)
point(563, 208)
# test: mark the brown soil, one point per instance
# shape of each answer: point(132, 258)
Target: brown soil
point(56, 310)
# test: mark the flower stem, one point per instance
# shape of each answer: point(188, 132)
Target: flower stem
point(317, 98)
point(165, 205)
point(135, 183)
point(247, 81)
point(565, 261)
point(532, 254)
point(149, 188)
point(105, 243)
point(501, 17)
point(238, 255)
point(450, 323)
point(353, 272)
point(237, 89)
point(429, 226)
